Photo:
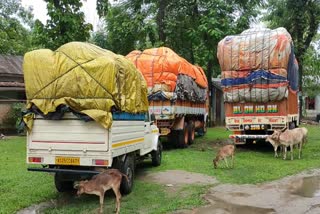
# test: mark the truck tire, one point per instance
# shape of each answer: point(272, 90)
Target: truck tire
point(156, 156)
point(183, 137)
point(62, 185)
point(127, 169)
point(173, 138)
point(191, 132)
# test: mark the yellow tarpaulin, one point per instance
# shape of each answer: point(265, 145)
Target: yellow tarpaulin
point(85, 77)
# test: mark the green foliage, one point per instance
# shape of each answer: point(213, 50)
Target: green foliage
point(66, 24)
point(311, 78)
point(102, 7)
point(126, 28)
point(20, 188)
point(191, 28)
point(14, 23)
point(13, 118)
point(300, 17)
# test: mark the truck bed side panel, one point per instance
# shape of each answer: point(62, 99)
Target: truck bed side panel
point(127, 136)
point(179, 107)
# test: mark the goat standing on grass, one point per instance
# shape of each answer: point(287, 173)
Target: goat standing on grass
point(275, 143)
point(223, 153)
point(99, 184)
point(290, 138)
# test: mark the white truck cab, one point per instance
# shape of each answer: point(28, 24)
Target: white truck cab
point(74, 149)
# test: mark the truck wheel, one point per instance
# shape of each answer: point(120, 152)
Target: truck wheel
point(127, 169)
point(173, 138)
point(61, 185)
point(156, 156)
point(183, 137)
point(191, 132)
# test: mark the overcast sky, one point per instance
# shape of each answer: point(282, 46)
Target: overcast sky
point(40, 10)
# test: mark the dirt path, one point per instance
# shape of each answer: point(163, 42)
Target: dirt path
point(178, 178)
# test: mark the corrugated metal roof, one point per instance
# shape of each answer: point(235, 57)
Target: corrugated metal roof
point(11, 84)
point(11, 65)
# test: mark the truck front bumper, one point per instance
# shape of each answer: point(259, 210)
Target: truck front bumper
point(248, 136)
point(242, 139)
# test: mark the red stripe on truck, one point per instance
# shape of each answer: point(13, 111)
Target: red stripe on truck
point(70, 142)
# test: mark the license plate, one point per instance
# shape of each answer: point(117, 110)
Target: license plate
point(164, 131)
point(67, 161)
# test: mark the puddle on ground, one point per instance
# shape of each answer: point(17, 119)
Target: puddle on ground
point(223, 207)
point(38, 208)
point(308, 187)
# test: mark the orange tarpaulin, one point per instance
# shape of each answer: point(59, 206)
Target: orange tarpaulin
point(162, 66)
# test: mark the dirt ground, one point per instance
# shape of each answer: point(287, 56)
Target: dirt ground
point(298, 194)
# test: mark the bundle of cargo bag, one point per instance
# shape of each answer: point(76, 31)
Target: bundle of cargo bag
point(258, 65)
point(169, 76)
point(86, 80)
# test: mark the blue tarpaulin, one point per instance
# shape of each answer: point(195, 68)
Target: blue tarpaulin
point(255, 77)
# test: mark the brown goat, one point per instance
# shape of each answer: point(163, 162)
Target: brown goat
point(99, 184)
point(223, 153)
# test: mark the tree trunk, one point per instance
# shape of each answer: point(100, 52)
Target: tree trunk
point(209, 78)
point(160, 20)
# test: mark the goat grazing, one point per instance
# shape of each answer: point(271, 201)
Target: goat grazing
point(223, 153)
point(99, 184)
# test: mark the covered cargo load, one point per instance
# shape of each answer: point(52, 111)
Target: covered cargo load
point(169, 76)
point(84, 78)
point(258, 66)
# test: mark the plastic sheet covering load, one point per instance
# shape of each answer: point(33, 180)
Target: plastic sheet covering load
point(87, 79)
point(255, 49)
point(170, 76)
point(257, 66)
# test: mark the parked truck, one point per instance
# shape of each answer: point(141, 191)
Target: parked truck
point(260, 83)
point(177, 93)
point(87, 111)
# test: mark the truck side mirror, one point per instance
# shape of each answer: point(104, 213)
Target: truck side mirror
point(153, 117)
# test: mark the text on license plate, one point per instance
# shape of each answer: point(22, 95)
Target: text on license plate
point(67, 161)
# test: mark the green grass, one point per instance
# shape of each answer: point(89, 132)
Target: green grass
point(146, 198)
point(20, 188)
point(253, 164)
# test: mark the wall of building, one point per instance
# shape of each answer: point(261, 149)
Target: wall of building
point(4, 110)
point(317, 103)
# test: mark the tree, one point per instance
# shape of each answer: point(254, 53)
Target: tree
point(14, 23)
point(192, 28)
point(311, 78)
point(302, 19)
point(66, 24)
point(127, 27)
